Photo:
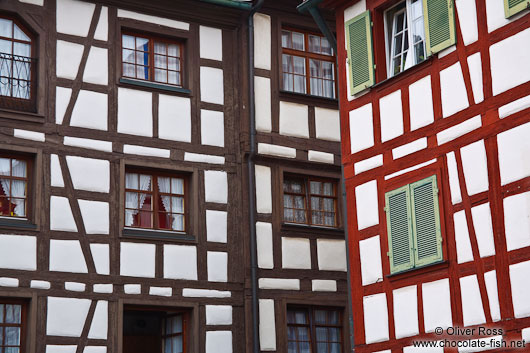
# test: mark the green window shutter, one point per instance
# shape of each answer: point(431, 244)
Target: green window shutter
point(439, 17)
point(426, 221)
point(511, 7)
point(399, 224)
point(360, 52)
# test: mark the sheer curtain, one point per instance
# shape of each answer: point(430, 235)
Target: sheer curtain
point(172, 186)
point(16, 190)
point(131, 198)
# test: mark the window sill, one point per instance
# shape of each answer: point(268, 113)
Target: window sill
point(21, 115)
point(308, 99)
point(306, 228)
point(17, 223)
point(154, 85)
point(443, 264)
point(406, 73)
point(157, 234)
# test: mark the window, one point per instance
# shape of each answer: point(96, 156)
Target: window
point(413, 225)
point(152, 59)
point(16, 64)
point(405, 35)
point(511, 7)
point(413, 30)
point(12, 326)
point(311, 201)
point(147, 330)
point(308, 64)
point(314, 329)
point(13, 187)
point(155, 200)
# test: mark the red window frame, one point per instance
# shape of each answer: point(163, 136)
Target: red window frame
point(151, 58)
point(307, 194)
point(156, 194)
point(10, 177)
point(22, 325)
point(307, 55)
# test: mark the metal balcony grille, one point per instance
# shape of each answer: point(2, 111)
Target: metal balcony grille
point(17, 82)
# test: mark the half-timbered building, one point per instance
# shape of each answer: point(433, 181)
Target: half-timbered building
point(435, 121)
point(130, 133)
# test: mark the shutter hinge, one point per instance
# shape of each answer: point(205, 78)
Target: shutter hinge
point(371, 23)
point(348, 61)
point(436, 191)
point(385, 209)
point(374, 66)
point(388, 253)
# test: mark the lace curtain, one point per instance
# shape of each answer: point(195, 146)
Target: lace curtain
point(173, 186)
point(16, 189)
point(133, 203)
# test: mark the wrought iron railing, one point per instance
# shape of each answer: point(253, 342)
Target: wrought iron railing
point(17, 81)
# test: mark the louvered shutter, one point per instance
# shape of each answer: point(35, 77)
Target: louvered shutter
point(360, 52)
point(511, 7)
point(399, 229)
point(439, 16)
point(426, 221)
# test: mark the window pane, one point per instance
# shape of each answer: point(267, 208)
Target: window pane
point(142, 72)
point(291, 333)
point(178, 222)
point(299, 202)
point(129, 70)
point(316, 187)
point(128, 56)
point(142, 44)
point(334, 334)
point(12, 350)
point(173, 50)
point(300, 317)
point(128, 41)
point(287, 63)
point(286, 38)
point(161, 61)
point(167, 345)
point(160, 48)
point(173, 63)
point(299, 65)
point(6, 28)
point(314, 44)
point(173, 78)
point(177, 204)
point(325, 46)
point(328, 189)
point(327, 70)
point(303, 334)
point(300, 216)
point(176, 324)
point(416, 10)
point(6, 47)
point(144, 219)
point(329, 219)
point(1, 314)
point(19, 168)
point(329, 205)
point(12, 336)
point(298, 41)
point(20, 35)
point(177, 344)
point(177, 186)
point(304, 347)
point(335, 348)
point(18, 207)
point(288, 201)
point(400, 20)
point(288, 215)
point(315, 204)
point(5, 166)
point(145, 182)
point(299, 84)
point(398, 44)
point(160, 75)
point(145, 202)
point(320, 316)
point(22, 49)
point(316, 218)
point(292, 347)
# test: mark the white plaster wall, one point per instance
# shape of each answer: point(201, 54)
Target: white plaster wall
point(294, 119)
point(18, 252)
point(215, 186)
point(391, 112)
point(454, 183)
point(472, 308)
point(95, 349)
point(409, 148)
point(89, 174)
point(132, 288)
point(331, 255)
point(180, 262)
point(217, 266)
point(474, 162)
point(361, 128)
point(367, 205)
point(375, 318)
point(97, 68)
point(514, 107)
point(137, 260)
point(262, 41)
point(174, 118)
point(458, 130)
point(464, 251)
point(95, 216)
point(274, 150)
point(212, 128)
point(212, 90)
point(370, 255)
point(103, 288)
point(102, 29)
point(490, 278)
point(68, 59)
point(509, 60)
point(90, 110)
point(67, 256)
point(205, 293)
point(100, 322)
point(98, 145)
point(100, 254)
point(66, 316)
point(135, 113)
point(454, 94)
point(9, 282)
point(409, 169)
point(406, 311)
point(327, 124)
point(514, 153)
point(56, 172)
point(483, 229)
point(29, 135)
point(296, 253)
point(218, 341)
point(279, 283)
point(369, 163)
point(495, 15)
point(264, 245)
point(203, 158)
point(436, 305)
point(73, 17)
point(323, 285)
point(39, 284)
point(321, 157)
point(517, 220)
point(211, 43)
point(420, 102)
point(262, 95)
point(467, 18)
point(474, 63)
point(33, 2)
point(267, 325)
point(218, 314)
point(354, 10)
point(146, 151)
point(61, 217)
point(153, 19)
point(263, 189)
point(161, 291)
point(216, 226)
point(62, 98)
point(519, 274)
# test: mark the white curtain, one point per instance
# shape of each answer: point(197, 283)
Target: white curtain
point(176, 187)
point(131, 198)
point(17, 189)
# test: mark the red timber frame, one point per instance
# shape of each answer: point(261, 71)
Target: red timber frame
point(491, 126)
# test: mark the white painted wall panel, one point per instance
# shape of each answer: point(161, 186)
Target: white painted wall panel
point(474, 63)
point(331, 255)
point(215, 186)
point(327, 124)
point(375, 318)
point(262, 94)
point(517, 220)
point(490, 278)
point(294, 119)
point(217, 266)
point(275, 150)
point(97, 67)
point(218, 314)
point(454, 183)
point(472, 308)
point(18, 252)
point(98, 145)
point(458, 130)
point(264, 245)
point(56, 172)
point(370, 255)
point(391, 111)
point(320, 157)
point(296, 253)
point(464, 252)
point(406, 311)
point(474, 162)
point(514, 153)
point(514, 107)
point(216, 226)
point(483, 229)
point(29, 135)
point(519, 274)
point(89, 174)
point(90, 110)
point(95, 216)
point(212, 87)
point(174, 118)
point(369, 163)
point(66, 316)
point(212, 128)
point(102, 29)
point(279, 283)
point(420, 101)
point(436, 305)
point(263, 189)
point(211, 43)
point(67, 256)
point(153, 19)
point(267, 325)
point(73, 17)
point(100, 254)
point(100, 322)
point(409, 148)
point(137, 260)
point(61, 217)
point(180, 262)
point(467, 18)
point(135, 112)
point(68, 59)
point(262, 41)
point(454, 94)
point(218, 341)
point(62, 98)
point(367, 205)
point(323, 285)
point(361, 128)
